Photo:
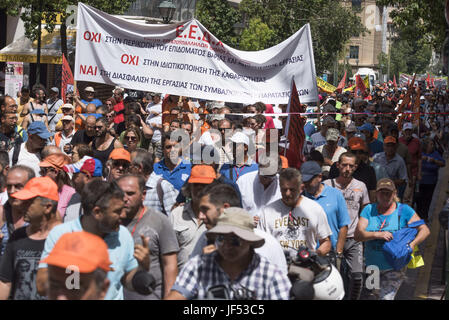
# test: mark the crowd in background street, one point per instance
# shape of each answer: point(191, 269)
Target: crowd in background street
point(104, 185)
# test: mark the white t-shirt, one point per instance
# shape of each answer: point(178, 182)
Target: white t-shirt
point(356, 197)
point(28, 159)
point(254, 196)
point(153, 107)
point(157, 136)
point(3, 197)
point(309, 224)
point(339, 151)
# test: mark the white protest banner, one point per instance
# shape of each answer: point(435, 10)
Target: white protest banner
point(185, 59)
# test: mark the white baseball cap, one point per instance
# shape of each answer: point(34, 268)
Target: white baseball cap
point(89, 89)
point(407, 126)
point(67, 117)
point(240, 137)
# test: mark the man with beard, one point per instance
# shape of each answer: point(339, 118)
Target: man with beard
point(40, 199)
point(214, 200)
point(356, 196)
point(296, 220)
point(30, 151)
point(146, 222)
point(234, 265)
point(102, 206)
point(104, 143)
point(10, 134)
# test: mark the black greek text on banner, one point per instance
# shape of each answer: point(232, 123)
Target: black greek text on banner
point(186, 59)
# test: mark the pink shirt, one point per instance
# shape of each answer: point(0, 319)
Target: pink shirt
point(65, 195)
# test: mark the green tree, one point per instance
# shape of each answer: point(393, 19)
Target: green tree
point(417, 19)
point(256, 36)
point(332, 25)
point(38, 10)
point(406, 57)
point(219, 18)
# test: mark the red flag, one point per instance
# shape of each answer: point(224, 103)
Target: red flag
point(359, 86)
point(394, 81)
point(416, 107)
point(428, 80)
point(432, 80)
point(295, 130)
point(342, 83)
point(67, 81)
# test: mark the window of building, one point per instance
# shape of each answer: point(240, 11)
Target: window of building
point(353, 52)
point(356, 4)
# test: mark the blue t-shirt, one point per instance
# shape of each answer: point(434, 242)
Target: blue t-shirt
point(373, 248)
point(94, 101)
point(429, 169)
point(375, 147)
point(334, 204)
point(120, 249)
point(178, 176)
point(236, 171)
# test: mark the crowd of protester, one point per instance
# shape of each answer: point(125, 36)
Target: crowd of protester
point(199, 193)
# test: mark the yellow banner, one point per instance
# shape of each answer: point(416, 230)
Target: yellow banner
point(58, 19)
point(365, 81)
point(325, 86)
point(5, 57)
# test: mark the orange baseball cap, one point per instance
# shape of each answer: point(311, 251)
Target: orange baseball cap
point(56, 160)
point(81, 249)
point(390, 139)
point(357, 143)
point(120, 154)
point(38, 187)
point(202, 174)
point(284, 162)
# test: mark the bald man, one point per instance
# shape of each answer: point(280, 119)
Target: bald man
point(87, 134)
point(48, 150)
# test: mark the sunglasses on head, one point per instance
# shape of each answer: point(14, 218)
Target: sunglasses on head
point(233, 240)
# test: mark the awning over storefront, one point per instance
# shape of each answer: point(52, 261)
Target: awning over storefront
point(23, 50)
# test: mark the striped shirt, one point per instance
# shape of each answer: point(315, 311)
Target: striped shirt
point(262, 280)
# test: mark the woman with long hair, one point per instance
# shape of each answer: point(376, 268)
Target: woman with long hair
point(132, 138)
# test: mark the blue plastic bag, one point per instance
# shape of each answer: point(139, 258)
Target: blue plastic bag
point(397, 251)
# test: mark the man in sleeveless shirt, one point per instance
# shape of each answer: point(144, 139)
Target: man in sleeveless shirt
point(104, 142)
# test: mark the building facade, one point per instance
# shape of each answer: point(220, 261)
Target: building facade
point(363, 51)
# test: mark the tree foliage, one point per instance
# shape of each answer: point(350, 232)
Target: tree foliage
point(406, 57)
point(256, 36)
point(219, 18)
point(37, 10)
point(419, 19)
point(332, 25)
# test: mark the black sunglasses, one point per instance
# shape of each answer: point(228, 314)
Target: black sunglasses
point(120, 163)
point(233, 239)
